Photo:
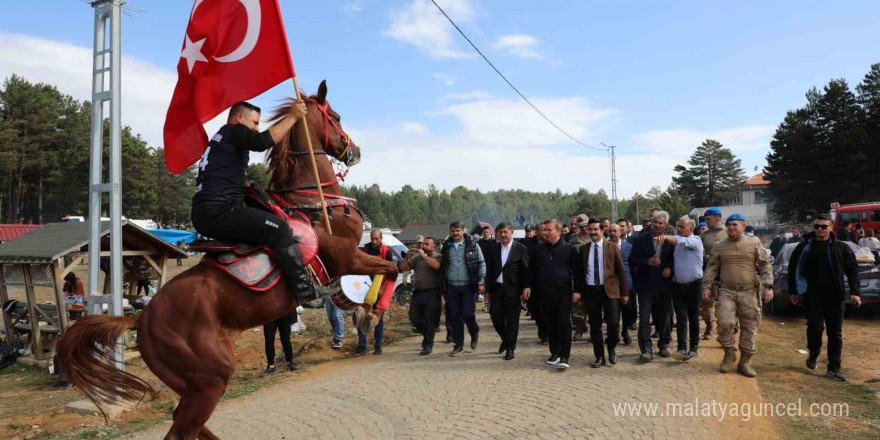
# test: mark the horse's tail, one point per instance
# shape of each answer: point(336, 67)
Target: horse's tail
point(84, 358)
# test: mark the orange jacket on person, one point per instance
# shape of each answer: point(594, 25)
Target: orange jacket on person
point(77, 289)
point(384, 302)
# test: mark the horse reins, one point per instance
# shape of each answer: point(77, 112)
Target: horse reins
point(344, 157)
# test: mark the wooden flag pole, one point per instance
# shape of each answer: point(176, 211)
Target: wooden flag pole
point(314, 163)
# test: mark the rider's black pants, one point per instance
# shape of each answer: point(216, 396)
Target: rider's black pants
point(243, 224)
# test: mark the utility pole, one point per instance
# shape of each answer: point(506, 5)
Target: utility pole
point(106, 62)
point(614, 213)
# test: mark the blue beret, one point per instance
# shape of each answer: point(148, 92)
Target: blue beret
point(702, 224)
point(734, 217)
point(712, 211)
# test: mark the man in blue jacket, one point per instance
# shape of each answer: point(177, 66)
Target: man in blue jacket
point(629, 310)
point(816, 274)
point(651, 263)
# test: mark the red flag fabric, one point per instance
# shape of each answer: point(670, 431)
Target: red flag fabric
point(233, 50)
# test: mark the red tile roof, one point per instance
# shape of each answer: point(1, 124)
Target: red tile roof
point(11, 232)
point(758, 180)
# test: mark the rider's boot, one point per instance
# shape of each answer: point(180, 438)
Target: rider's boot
point(290, 261)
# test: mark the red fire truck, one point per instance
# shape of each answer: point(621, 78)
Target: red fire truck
point(868, 214)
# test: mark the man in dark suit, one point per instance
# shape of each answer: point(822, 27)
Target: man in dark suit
point(553, 267)
point(533, 238)
point(506, 265)
point(604, 287)
point(651, 264)
point(628, 310)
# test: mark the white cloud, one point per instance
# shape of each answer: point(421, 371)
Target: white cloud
point(445, 78)
point(146, 88)
point(684, 141)
point(520, 45)
point(503, 144)
point(414, 127)
point(513, 123)
point(421, 162)
point(420, 23)
point(352, 6)
point(473, 95)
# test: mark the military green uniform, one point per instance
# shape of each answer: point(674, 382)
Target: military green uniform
point(741, 266)
point(579, 310)
point(707, 310)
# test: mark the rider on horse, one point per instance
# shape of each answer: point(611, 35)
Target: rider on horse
point(218, 208)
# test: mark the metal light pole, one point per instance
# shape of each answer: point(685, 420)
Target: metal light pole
point(614, 213)
point(107, 16)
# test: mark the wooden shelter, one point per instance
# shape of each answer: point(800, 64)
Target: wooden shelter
point(43, 257)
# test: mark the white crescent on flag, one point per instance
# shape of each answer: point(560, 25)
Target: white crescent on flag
point(254, 16)
point(192, 52)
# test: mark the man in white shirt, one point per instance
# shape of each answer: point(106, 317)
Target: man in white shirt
point(686, 283)
point(605, 289)
point(507, 263)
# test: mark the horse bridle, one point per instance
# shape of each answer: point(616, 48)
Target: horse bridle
point(346, 156)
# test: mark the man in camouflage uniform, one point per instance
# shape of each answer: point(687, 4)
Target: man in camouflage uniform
point(713, 235)
point(743, 268)
point(579, 311)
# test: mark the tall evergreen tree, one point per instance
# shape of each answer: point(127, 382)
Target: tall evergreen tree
point(822, 153)
point(869, 100)
point(712, 176)
point(173, 192)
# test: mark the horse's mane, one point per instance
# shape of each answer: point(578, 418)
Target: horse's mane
point(278, 159)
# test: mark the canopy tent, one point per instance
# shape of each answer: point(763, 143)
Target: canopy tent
point(174, 236)
point(43, 257)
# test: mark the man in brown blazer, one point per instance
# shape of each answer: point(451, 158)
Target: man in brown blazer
point(605, 289)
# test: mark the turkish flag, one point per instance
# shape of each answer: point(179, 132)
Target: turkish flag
point(233, 50)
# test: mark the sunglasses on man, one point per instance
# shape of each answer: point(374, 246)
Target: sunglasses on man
point(821, 226)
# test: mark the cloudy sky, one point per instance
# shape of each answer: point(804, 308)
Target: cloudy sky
point(652, 78)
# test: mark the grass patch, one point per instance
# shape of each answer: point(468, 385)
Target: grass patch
point(165, 407)
point(783, 378)
point(103, 432)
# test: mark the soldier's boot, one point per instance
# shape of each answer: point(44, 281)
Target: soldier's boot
point(710, 330)
point(744, 367)
point(729, 360)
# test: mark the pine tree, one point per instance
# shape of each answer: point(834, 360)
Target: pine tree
point(869, 101)
point(713, 174)
point(822, 152)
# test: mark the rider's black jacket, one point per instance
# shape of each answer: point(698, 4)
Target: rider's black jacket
point(223, 167)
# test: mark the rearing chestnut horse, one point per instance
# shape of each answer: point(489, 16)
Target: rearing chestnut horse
point(186, 333)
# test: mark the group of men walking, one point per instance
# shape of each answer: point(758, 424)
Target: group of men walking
point(609, 273)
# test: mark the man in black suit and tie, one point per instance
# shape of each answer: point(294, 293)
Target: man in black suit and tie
point(652, 265)
point(506, 265)
point(603, 281)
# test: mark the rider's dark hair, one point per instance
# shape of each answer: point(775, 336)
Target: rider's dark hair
point(456, 225)
point(241, 107)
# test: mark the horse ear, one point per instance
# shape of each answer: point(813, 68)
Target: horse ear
point(322, 92)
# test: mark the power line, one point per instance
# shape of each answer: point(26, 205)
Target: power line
point(511, 84)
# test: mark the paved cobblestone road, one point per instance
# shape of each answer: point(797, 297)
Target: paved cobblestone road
point(400, 395)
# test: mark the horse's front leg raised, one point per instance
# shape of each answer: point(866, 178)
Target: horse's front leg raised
point(365, 264)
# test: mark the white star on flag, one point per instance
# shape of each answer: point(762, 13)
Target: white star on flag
point(193, 52)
